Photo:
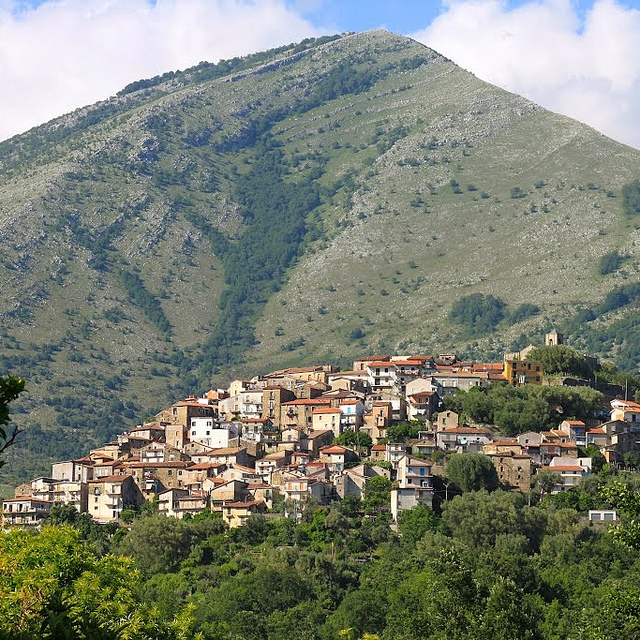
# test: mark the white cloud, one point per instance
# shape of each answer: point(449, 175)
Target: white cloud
point(585, 68)
point(68, 53)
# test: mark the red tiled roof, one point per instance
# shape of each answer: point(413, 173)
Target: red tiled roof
point(243, 505)
point(114, 479)
point(334, 448)
point(317, 433)
point(467, 430)
point(176, 464)
point(323, 410)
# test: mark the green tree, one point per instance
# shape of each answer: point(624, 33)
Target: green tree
point(562, 359)
point(358, 440)
point(631, 198)
point(403, 431)
point(610, 262)
point(10, 388)
point(377, 495)
point(414, 523)
point(478, 518)
point(620, 495)
point(477, 313)
point(53, 586)
point(159, 544)
point(545, 482)
point(472, 472)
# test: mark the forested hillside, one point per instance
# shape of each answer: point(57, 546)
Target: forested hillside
point(346, 195)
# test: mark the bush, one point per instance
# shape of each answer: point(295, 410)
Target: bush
point(478, 313)
point(610, 262)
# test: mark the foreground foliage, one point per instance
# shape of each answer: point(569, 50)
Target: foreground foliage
point(490, 567)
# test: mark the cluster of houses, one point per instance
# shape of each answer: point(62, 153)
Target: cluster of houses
point(271, 438)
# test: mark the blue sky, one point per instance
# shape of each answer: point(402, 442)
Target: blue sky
point(577, 57)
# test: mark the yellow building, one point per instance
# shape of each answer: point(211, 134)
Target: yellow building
point(520, 372)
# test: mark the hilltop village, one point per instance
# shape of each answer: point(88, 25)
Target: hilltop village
point(318, 434)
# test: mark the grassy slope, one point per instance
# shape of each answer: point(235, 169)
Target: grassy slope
point(398, 245)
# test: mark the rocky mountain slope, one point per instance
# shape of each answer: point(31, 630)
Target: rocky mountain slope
point(310, 203)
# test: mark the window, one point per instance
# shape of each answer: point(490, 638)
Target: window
point(169, 472)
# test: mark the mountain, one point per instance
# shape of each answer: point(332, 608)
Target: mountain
point(311, 203)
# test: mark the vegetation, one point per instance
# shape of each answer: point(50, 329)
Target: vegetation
point(478, 313)
point(610, 262)
point(528, 408)
point(631, 198)
point(563, 359)
point(489, 566)
point(10, 388)
point(472, 472)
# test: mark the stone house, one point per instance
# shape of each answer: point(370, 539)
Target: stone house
point(108, 496)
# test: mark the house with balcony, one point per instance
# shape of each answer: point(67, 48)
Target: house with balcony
point(570, 470)
point(463, 439)
point(24, 511)
point(414, 485)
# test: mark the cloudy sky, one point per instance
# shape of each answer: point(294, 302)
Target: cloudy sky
point(577, 57)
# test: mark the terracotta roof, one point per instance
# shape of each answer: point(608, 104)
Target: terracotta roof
point(323, 410)
point(226, 451)
point(25, 499)
point(467, 430)
point(243, 505)
point(202, 466)
point(566, 467)
point(334, 448)
point(634, 406)
point(317, 433)
point(114, 479)
point(176, 464)
point(423, 395)
point(577, 423)
point(379, 447)
point(597, 431)
point(241, 467)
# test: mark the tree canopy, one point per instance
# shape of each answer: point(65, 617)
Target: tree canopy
point(562, 359)
point(10, 388)
point(477, 313)
point(472, 472)
point(528, 408)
